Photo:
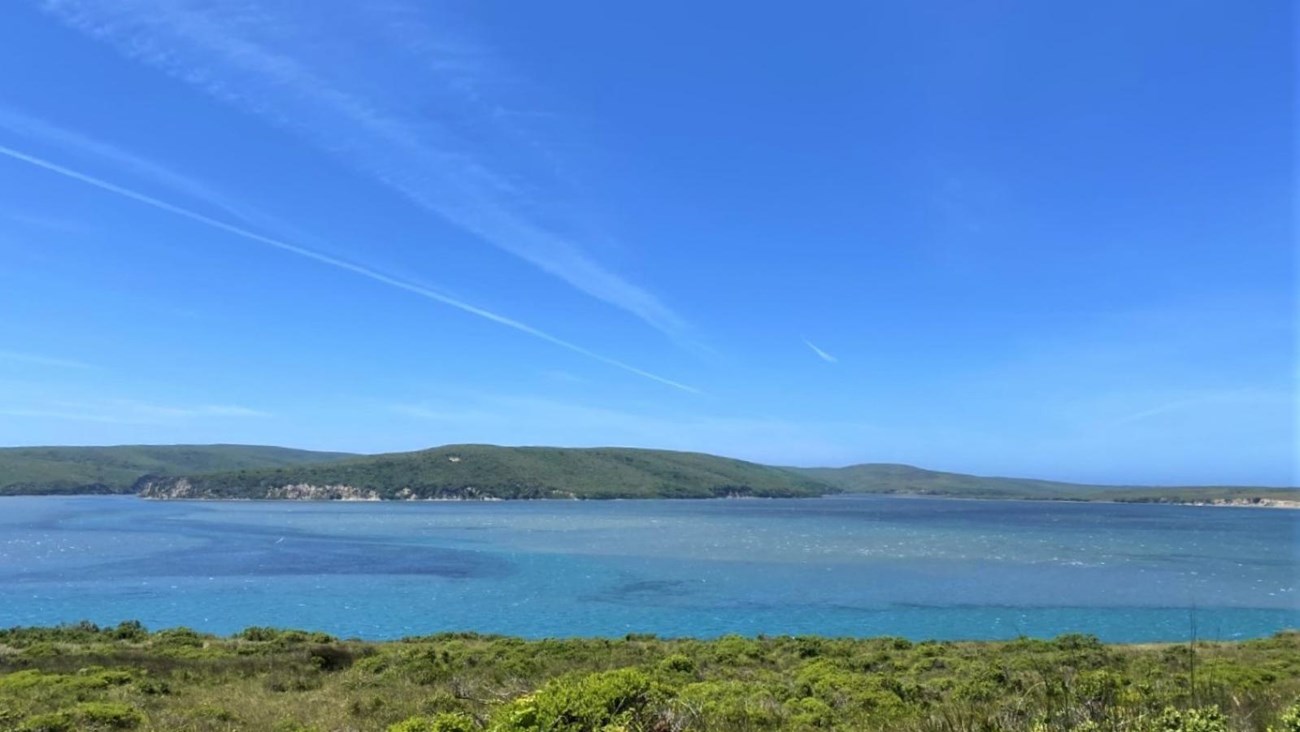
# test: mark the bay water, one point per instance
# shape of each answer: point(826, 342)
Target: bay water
point(845, 565)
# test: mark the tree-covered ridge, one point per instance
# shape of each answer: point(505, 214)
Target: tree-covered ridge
point(489, 471)
point(115, 469)
point(88, 678)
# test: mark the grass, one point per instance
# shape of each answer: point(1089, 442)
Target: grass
point(84, 677)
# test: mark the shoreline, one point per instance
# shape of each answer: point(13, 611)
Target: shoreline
point(1253, 503)
point(108, 628)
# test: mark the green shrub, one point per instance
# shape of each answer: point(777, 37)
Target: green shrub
point(153, 687)
point(129, 630)
point(101, 678)
point(580, 704)
point(811, 712)
point(729, 705)
point(855, 692)
point(87, 717)
point(258, 634)
point(51, 722)
point(1078, 642)
point(52, 679)
point(330, 657)
point(1289, 721)
point(179, 637)
point(677, 663)
point(107, 715)
point(1207, 719)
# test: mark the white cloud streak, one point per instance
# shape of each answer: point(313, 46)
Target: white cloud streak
point(71, 416)
point(37, 359)
point(130, 411)
point(335, 262)
point(46, 224)
point(415, 113)
point(151, 171)
point(1234, 397)
point(1158, 410)
point(820, 353)
point(31, 127)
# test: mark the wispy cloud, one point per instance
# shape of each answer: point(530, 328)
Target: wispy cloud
point(563, 377)
point(1157, 410)
point(37, 359)
point(129, 411)
point(150, 409)
point(820, 353)
point(1211, 398)
point(55, 224)
point(68, 415)
point(470, 162)
point(335, 262)
point(74, 142)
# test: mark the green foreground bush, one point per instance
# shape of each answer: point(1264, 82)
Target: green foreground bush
point(83, 677)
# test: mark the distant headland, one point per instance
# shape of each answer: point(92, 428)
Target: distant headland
point(490, 472)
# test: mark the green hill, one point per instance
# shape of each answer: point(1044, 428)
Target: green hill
point(890, 478)
point(115, 469)
point(487, 471)
point(908, 480)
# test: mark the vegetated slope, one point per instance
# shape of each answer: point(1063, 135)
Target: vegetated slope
point(905, 479)
point(890, 478)
point(42, 470)
point(265, 679)
point(488, 471)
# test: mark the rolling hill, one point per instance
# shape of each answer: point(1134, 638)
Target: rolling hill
point(488, 471)
point(887, 478)
point(116, 469)
point(906, 479)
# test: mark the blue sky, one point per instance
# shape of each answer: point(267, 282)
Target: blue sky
point(1006, 238)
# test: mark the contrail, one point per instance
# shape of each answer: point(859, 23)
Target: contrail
point(820, 353)
point(334, 262)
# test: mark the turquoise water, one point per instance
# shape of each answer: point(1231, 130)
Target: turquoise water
point(920, 568)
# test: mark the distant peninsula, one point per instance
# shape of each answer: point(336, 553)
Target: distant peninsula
point(490, 472)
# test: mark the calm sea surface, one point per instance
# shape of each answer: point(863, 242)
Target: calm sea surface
point(921, 568)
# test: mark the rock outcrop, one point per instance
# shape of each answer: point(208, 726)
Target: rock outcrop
point(169, 488)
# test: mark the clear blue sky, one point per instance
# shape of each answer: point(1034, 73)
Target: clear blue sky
point(1047, 239)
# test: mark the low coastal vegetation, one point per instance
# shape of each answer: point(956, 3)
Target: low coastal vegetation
point(494, 472)
point(83, 677)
